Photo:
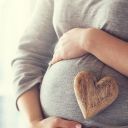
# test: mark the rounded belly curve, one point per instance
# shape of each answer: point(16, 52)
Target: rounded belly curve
point(58, 98)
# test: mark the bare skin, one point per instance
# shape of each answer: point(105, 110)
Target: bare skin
point(29, 105)
point(97, 42)
point(101, 44)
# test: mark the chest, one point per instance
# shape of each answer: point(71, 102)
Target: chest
point(111, 16)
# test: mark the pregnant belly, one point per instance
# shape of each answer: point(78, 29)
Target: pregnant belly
point(58, 98)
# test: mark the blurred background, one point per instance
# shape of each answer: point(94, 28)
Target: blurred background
point(14, 16)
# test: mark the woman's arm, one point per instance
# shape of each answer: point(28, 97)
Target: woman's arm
point(33, 54)
point(30, 63)
point(109, 49)
point(29, 105)
point(35, 49)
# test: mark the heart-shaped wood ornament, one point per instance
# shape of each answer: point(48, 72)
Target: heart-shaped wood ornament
point(93, 96)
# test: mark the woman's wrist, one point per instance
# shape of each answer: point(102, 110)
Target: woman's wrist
point(91, 39)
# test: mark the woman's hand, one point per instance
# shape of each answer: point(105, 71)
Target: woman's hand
point(70, 45)
point(54, 122)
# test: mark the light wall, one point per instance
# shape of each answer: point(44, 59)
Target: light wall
point(14, 16)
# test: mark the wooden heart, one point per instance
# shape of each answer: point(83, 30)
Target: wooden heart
point(93, 96)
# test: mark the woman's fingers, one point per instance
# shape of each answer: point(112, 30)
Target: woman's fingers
point(53, 61)
point(67, 124)
point(56, 122)
point(56, 58)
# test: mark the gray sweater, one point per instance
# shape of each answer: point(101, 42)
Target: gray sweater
point(50, 20)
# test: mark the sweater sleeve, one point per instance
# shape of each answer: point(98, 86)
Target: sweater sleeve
point(34, 50)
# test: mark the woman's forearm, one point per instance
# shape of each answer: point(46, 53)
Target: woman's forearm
point(110, 50)
point(29, 105)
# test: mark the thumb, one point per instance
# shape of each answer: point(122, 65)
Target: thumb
point(68, 124)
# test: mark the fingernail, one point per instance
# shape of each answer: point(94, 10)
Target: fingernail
point(78, 126)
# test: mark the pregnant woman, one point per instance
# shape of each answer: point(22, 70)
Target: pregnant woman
point(89, 35)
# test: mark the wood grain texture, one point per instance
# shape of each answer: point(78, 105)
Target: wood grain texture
point(94, 96)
